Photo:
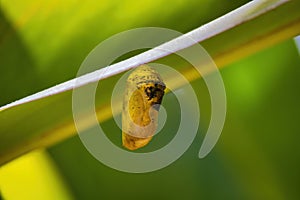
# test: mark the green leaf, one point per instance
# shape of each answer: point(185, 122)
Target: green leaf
point(46, 118)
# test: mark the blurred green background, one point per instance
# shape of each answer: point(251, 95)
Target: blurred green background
point(42, 43)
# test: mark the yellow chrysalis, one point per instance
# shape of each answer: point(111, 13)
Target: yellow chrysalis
point(142, 98)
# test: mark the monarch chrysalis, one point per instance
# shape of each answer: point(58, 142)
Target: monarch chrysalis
point(142, 98)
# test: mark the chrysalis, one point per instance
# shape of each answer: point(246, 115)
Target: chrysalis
point(142, 98)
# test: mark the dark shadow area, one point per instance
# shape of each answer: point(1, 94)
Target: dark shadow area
point(18, 77)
